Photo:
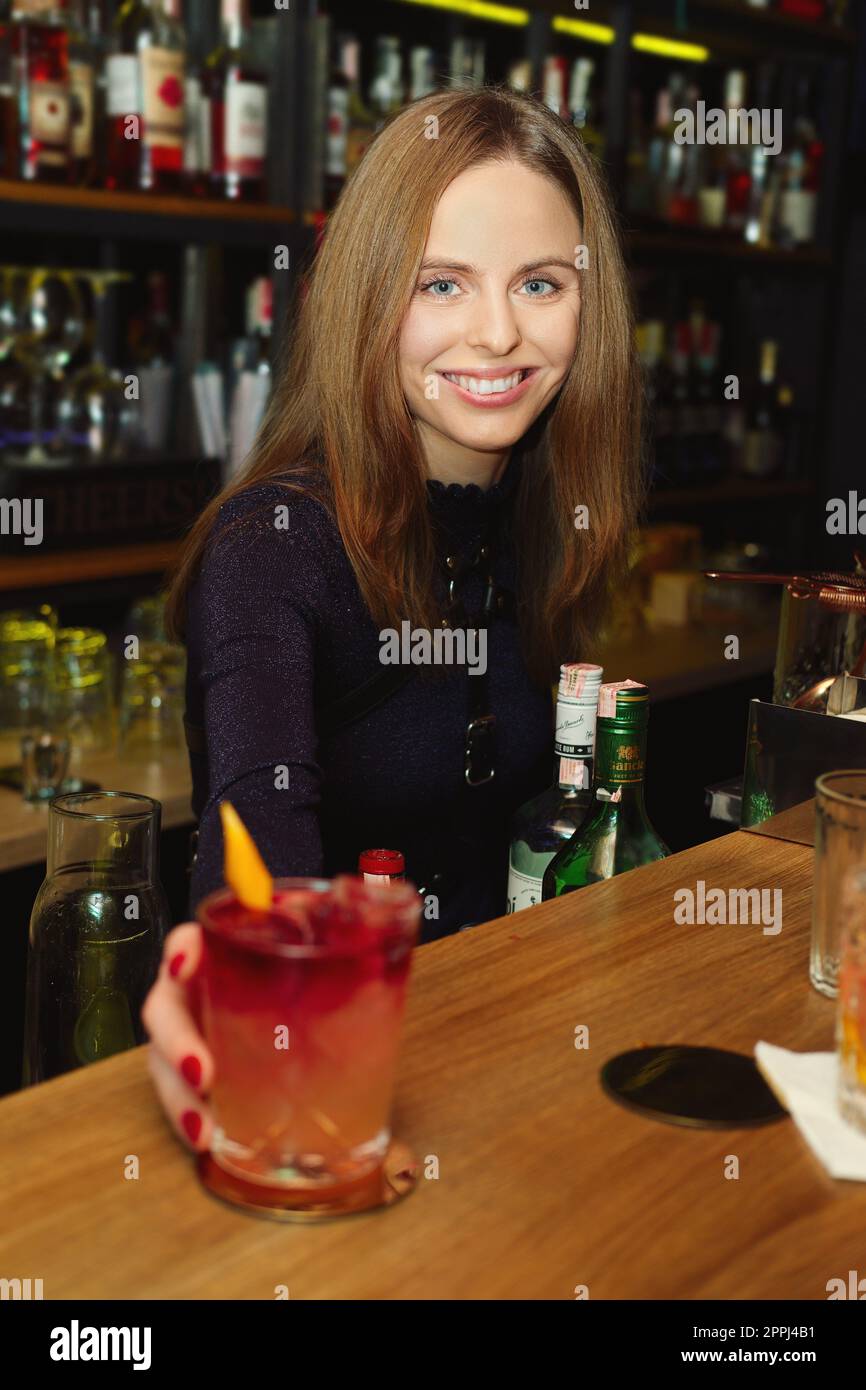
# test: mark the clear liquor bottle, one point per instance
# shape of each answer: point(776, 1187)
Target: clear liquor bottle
point(544, 824)
point(386, 89)
point(617, 835)
point(337, 132)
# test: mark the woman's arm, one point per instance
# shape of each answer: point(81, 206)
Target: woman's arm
point(251, 640)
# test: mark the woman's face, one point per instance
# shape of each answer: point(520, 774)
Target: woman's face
point(497, 302)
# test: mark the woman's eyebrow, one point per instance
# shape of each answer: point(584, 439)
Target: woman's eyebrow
point(464, 269)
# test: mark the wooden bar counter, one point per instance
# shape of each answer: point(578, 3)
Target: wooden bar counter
point(543, 1184)
point(24, 826)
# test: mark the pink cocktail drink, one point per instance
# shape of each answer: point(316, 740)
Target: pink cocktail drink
point(302, 1007)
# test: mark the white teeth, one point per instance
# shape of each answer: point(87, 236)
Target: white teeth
point(480, 386)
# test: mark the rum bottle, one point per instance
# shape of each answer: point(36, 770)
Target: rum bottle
point(617, 834)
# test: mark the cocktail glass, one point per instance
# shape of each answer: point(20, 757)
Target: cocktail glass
point(851, 1014)
point(302, 1006)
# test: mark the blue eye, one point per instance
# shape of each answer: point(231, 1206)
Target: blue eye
point(440, 280)
point(554, 285)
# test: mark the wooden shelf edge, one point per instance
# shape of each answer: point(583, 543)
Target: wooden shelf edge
point(747, 491)
point(696, 242)
point(149, 205)
point(77, 566)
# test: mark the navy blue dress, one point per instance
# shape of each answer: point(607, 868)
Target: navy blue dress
point(276, 628)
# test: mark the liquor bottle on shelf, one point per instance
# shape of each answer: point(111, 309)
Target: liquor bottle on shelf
point(197, 154)
point(467, 60)
point(361, 122)
point(145, 73)
point(762, 441)
point(154, 343)
point(386, 89)
point(9, 158)
point(86, 91)
point(337, 133)
point(40, 43)
point(153, 347)
point(545, 823)
point(252, 385)
point(800, 176)
point(520, 75)
point(759, 211)
point(712, 193)
point(667, 155)
point(555, 86)
point(684, 205)
point(238, 93)
point(617, 834)
point(582, 111)
point(738, 175)
point(422, 73)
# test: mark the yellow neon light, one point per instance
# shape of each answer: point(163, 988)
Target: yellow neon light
point(669, 48)
point(477, 9)
point(582, 29)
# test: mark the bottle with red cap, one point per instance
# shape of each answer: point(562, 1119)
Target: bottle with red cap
point(381, 866)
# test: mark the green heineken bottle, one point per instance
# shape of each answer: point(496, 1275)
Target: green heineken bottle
point(616, 834)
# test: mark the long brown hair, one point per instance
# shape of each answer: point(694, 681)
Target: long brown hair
point(338, 397)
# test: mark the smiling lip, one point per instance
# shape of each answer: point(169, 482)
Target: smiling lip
point(499, 398)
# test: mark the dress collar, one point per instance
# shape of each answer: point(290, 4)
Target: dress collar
point(462, 508)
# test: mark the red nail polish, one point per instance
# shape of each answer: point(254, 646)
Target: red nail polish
point(190, 1070)
point(175, 964)
point(191, 1121)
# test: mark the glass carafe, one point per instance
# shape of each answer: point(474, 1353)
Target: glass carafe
point(96, 931)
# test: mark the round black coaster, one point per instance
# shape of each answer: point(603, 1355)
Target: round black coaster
point(699, 1087)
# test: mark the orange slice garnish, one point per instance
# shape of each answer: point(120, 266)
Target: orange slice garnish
point(243, 867)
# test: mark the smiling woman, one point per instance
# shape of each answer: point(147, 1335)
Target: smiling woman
point(462, 376)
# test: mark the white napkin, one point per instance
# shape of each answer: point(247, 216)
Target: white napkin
point(806, 1083)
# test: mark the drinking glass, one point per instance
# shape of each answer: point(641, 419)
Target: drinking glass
point(840, 845)
point(146, 618)
point(152, 700)
point(82, 704)
point(26, 658)
point(96, 931)
point(44, 762)
point(851, 1015)
point(302, 1006)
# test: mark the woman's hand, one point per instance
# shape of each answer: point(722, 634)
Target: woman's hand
point(179, 1061)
